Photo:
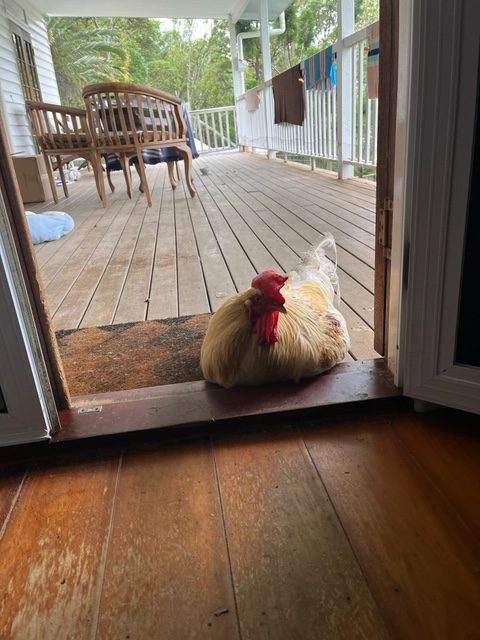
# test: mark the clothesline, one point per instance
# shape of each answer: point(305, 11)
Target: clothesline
point(318, 72)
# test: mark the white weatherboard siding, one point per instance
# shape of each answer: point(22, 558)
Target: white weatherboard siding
point(11, 97)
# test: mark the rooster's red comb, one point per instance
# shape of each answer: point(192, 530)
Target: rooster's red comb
point(269, 283)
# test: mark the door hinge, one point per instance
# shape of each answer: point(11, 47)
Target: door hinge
point(384, 228)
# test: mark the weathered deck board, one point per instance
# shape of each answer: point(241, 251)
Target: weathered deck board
point(183, 256)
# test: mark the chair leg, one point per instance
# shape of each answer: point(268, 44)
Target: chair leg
point(140, 188)
point(110, 183)
point(98, 171)
point(187, 161)
point(143, 177)
point(171, 174)
point(62, 175)
point(126, 172)
point(51, 178)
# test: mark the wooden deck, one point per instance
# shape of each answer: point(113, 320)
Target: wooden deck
point(185, 256)
point(348, 527)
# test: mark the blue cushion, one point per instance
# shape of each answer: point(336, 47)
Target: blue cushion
point(51, 225)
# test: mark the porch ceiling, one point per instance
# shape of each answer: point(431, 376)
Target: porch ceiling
point(238, 9)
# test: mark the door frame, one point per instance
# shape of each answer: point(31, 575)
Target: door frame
point(36, 294)
point(387, 133)
point(435, 190)
point(29, 412)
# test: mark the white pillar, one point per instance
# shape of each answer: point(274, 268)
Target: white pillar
point(265, 40)
point(346, 26)
point(237, 80)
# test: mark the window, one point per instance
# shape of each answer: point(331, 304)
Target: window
point(26, 63)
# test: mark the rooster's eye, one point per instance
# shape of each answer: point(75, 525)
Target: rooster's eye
point(256, 298)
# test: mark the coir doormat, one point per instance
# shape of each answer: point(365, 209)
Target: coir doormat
point(132, 355)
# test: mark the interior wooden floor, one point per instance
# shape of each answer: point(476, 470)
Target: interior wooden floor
point(184, 256)
point(345, 527)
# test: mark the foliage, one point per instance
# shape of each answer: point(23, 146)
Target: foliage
point(197, 69)
point(82, 52)
point(88, 50)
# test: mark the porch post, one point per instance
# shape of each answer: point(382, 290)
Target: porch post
point(346, 26)
point(265, 40)
point(237, 81)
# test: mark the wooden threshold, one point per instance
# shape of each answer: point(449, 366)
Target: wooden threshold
point(199, 404)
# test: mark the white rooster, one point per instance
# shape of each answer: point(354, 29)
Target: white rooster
point(285, 327)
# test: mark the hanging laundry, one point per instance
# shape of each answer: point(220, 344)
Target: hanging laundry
point(306, 71)
point(288, 96)
point(252, 99)
point(373, 37)
point(328, 67)
point(333, 74)
point(317, 69)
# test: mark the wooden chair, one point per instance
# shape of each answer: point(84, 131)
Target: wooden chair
point(126, 119)
point(63, 133)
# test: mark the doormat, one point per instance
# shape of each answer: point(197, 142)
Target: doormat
point(132, 355)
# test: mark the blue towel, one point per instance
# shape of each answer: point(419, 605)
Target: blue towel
point(45, 227)
point(333, 74)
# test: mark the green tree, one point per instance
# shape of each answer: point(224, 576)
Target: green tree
point(82, 53)
point(196, 69)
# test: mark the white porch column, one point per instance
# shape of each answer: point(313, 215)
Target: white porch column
point(346, 26)
point(237, 80)
point(265, 40)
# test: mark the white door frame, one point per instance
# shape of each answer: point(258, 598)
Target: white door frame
point(31, 414)
point(432, 190)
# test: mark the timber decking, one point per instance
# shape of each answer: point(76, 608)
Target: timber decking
point(343, 527)
point(186, 255)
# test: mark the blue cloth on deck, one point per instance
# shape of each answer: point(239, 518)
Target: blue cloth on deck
point(45, 227)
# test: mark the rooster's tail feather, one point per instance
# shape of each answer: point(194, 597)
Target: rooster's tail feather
point(317, 266)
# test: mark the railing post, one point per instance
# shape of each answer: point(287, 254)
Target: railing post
point(346, 26)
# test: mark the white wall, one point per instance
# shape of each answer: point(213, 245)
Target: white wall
point(11, 97)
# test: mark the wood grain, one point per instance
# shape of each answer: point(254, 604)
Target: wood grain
point(167, 575)
point(421, 562)
point(53, 551)
point(187, 255)
point(163, 299)
point(294, 572)
point(10, 486)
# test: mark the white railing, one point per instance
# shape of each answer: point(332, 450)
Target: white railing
point(317, 137)
point(214, 129)
point(364, 110)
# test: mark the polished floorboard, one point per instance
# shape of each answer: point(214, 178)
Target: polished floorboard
point(351, 525)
